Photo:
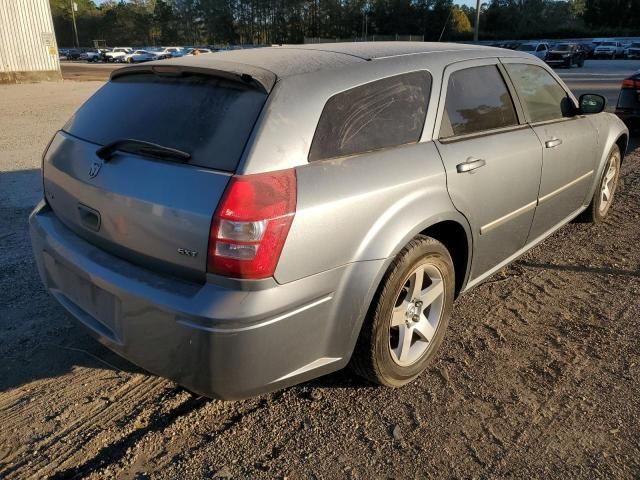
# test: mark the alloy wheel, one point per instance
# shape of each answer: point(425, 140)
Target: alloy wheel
point(608, 185)
point(416, 315)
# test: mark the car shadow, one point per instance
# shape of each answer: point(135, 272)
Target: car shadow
point(38, 338)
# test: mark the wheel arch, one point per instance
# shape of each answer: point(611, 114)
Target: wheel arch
point(623, 143)
point(453, 231)
point(457, 241)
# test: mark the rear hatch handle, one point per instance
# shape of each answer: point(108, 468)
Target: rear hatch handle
point(140, 147)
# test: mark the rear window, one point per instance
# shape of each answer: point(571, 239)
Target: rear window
point(208, 117)
point(381, 114)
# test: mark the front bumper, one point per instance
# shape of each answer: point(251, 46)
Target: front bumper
point(556, 61)
point(218, 341)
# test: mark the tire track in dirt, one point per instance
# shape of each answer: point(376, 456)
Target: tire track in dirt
point(112, 452)
point(135, 391)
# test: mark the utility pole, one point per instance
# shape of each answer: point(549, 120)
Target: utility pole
point(366, 25)
point(74, 7)
point(476, 30)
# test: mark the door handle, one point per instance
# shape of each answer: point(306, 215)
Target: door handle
point(470, 165)
point(554, 142)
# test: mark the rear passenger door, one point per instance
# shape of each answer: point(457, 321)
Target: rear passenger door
point(568, 140)
point(492, 159)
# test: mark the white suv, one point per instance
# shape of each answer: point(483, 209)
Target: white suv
point(610, 49)
point(117, 54)
point(539, 49)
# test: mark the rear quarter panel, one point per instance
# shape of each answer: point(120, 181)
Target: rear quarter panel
point(364, 208)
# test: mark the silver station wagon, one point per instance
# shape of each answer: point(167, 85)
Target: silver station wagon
point(249, 220)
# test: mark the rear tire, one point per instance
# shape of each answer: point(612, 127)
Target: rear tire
point(408, 317)
point(603, 197)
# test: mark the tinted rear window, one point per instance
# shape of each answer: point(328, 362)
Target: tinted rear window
point(208, 117)
point(380, 114)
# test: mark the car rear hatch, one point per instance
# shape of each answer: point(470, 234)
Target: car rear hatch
point(152, 205)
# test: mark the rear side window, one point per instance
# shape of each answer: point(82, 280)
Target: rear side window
point(380, 114)
point(543, 97)
point(477, 101)
point(208, 117)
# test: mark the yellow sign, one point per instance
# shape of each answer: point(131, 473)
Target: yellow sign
point(52, 51)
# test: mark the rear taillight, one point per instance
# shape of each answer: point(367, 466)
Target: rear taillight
point(251, 224)
point(631, 83)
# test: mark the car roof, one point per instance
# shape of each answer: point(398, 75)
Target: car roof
point(268, 64)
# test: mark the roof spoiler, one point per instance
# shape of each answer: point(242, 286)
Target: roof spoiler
point(253, 77)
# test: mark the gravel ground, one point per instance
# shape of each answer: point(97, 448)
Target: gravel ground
point(539, 375)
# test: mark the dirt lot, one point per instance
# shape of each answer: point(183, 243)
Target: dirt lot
point(539, 375)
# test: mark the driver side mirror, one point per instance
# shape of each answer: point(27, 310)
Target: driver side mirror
point(592, 103)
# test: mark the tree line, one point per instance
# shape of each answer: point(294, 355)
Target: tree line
point(224, 22)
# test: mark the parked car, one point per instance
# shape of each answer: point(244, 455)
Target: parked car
point(73, 54)
point(628, 106)
point(117, 54)
point(588, 48)
point(94, 55)
point(566, 55)
point(632, 51)
point(609, 49)
point(197, 51)
point(138, 56)
point(539, 49)
point(168, 52)
point(509, 44)
point(403, 181)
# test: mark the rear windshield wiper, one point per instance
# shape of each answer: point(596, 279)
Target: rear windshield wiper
point(142, 148)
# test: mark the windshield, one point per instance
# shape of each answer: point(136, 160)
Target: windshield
point(207, 117)
point(634, 45)
point(527, 48)
point(563, 47)
point(608, 44)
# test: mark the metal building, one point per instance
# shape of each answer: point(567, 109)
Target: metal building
point(28, 50)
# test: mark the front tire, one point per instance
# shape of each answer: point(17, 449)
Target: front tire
point(408, 318)
point(602, 199)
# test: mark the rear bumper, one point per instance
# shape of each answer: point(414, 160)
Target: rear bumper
point(220, 342)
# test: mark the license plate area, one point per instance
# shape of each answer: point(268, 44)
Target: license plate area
point(92, 305)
